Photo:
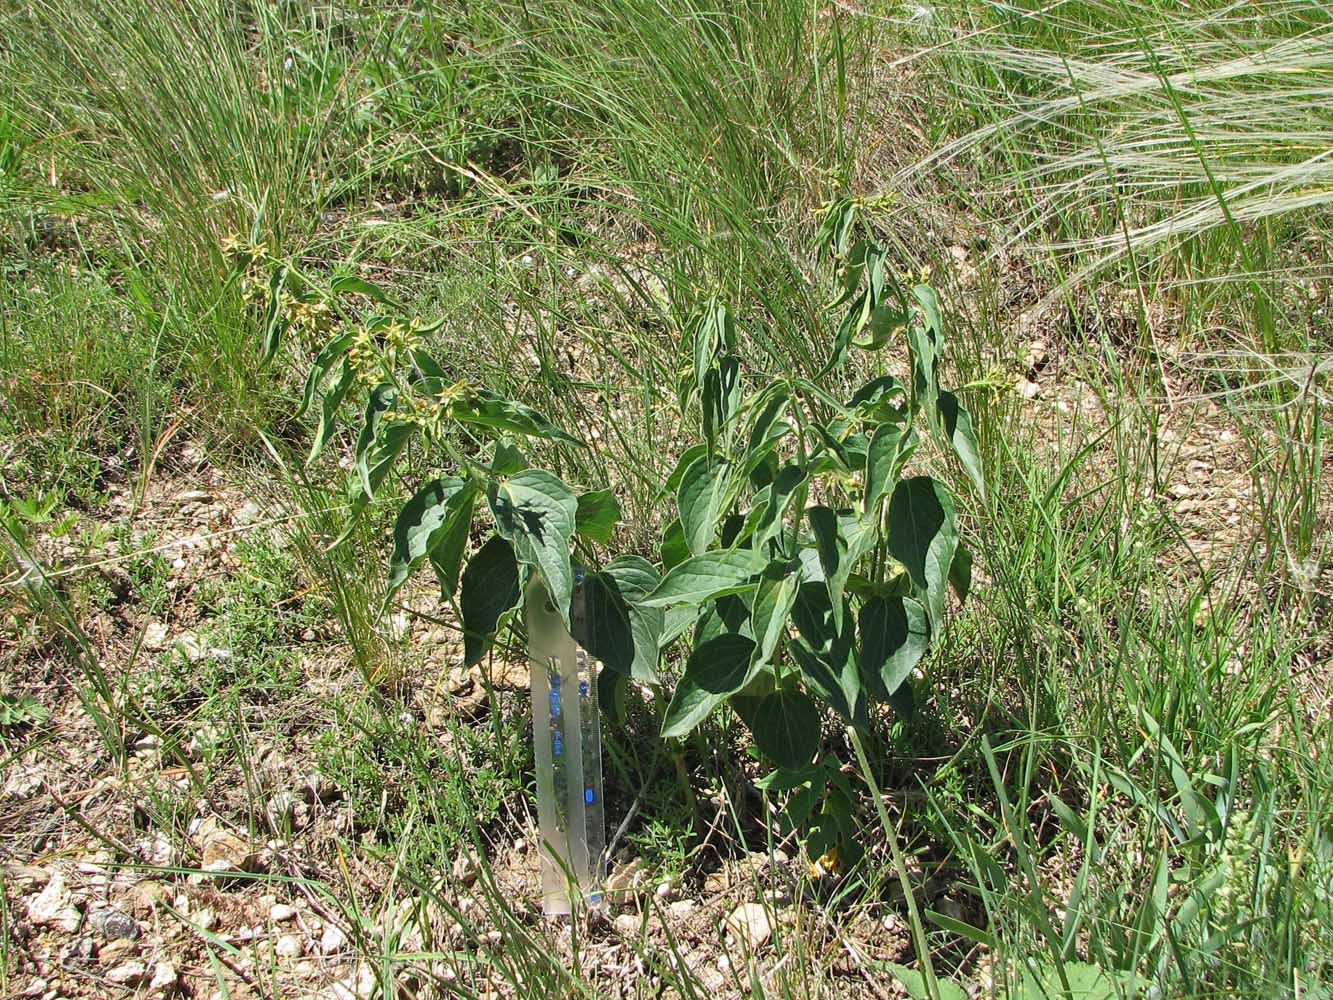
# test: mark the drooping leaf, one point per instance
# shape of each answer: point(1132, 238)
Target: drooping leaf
point(324, 361)
point(597, 515)
point(925, 339)
point(535, 511)
point(604, 628)
point(914, 983)
point(773, 401)
point(490, 588)
point(377, 446)
point(721, 393)
point(421, 524)
point(674, 550)
point(446, 555)
point(826, 654)
point(786, 727)
point(894, 636)
point(772, 607)
point(636, 577)
point(923, 534)
point(841, 539)
point(700, 496)
point(687, 458)
point(785, 485)
point(708, 576)
point(890, 447)
point(275, 315)
point(328, 408)
point(487, 409)
point(957, 423)
point(715, 670)
point(887, 320)
point(960, 571)
point(349, 283)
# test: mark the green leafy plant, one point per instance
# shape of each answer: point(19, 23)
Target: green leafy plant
point(21, 710)
point(534, 522)
point(807, 564)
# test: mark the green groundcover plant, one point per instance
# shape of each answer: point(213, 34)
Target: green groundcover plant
point(807, 568)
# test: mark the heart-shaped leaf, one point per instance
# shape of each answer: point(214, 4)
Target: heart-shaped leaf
point(635, 578)
point(786, 727)
point(699, 498)
point(490, 588)
point(597, 515)
point(894, 636)
point(421, 525)
point(923, 534)
point(705, 577)
point(536, 512)
point(715, 670)
point(957, 423)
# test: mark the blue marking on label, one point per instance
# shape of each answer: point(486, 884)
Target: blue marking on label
point(583, 689)
point(557, 743)
point(555, 701)
point(589, 796)
point(595, 897)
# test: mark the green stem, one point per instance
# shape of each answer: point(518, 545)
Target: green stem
point(899, 863)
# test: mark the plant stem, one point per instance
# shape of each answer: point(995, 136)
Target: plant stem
point(899, 863)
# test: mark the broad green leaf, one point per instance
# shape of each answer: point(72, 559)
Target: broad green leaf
point(883, 395)
point(506, 460)
point(324, 360)
point(328, 408)
point(772, 607)
point(826, 655)
point(486, 409)
point(914, 983)
point(378, 445)
point(687, 458)
point(699, 498)
point(421, 524)
point(894, 637)
point(604, 627)
point(925, 340)
point(350, 283)
point(446, 555)
point(957, 424)
point(674, 550)
point(535, 511)
point(490, 588)
point(704, 577)
point(786, 727)
point(275, 316)
point(843, 338)
point(597, 515)
point(715, 670)
point(923, 535)
point(636, 577)
point(890, 447)
point(960, 571)
point(1041, 980)
point(721, 393)
point(887, 320)
point(789, 479)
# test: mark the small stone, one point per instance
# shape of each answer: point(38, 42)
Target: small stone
point(206, 919)
point(626, 925)
point(129, 974)
point(464, 870)
point(627, 876)
point(288, 946)
point(356, 985)
point(1180, 490)
point(665, 890)
point(81, 951)
point(285, 811)
point(333, 939)
point(35, 988)
point(224, 851)
point(117, 951)
point(164, 978)
point(1027, 389)
point(155, 636)
point(751, 924)
point(53, 907)
point(281, 912)
point(150, 894)
point(112, 924)
point(682, 909)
